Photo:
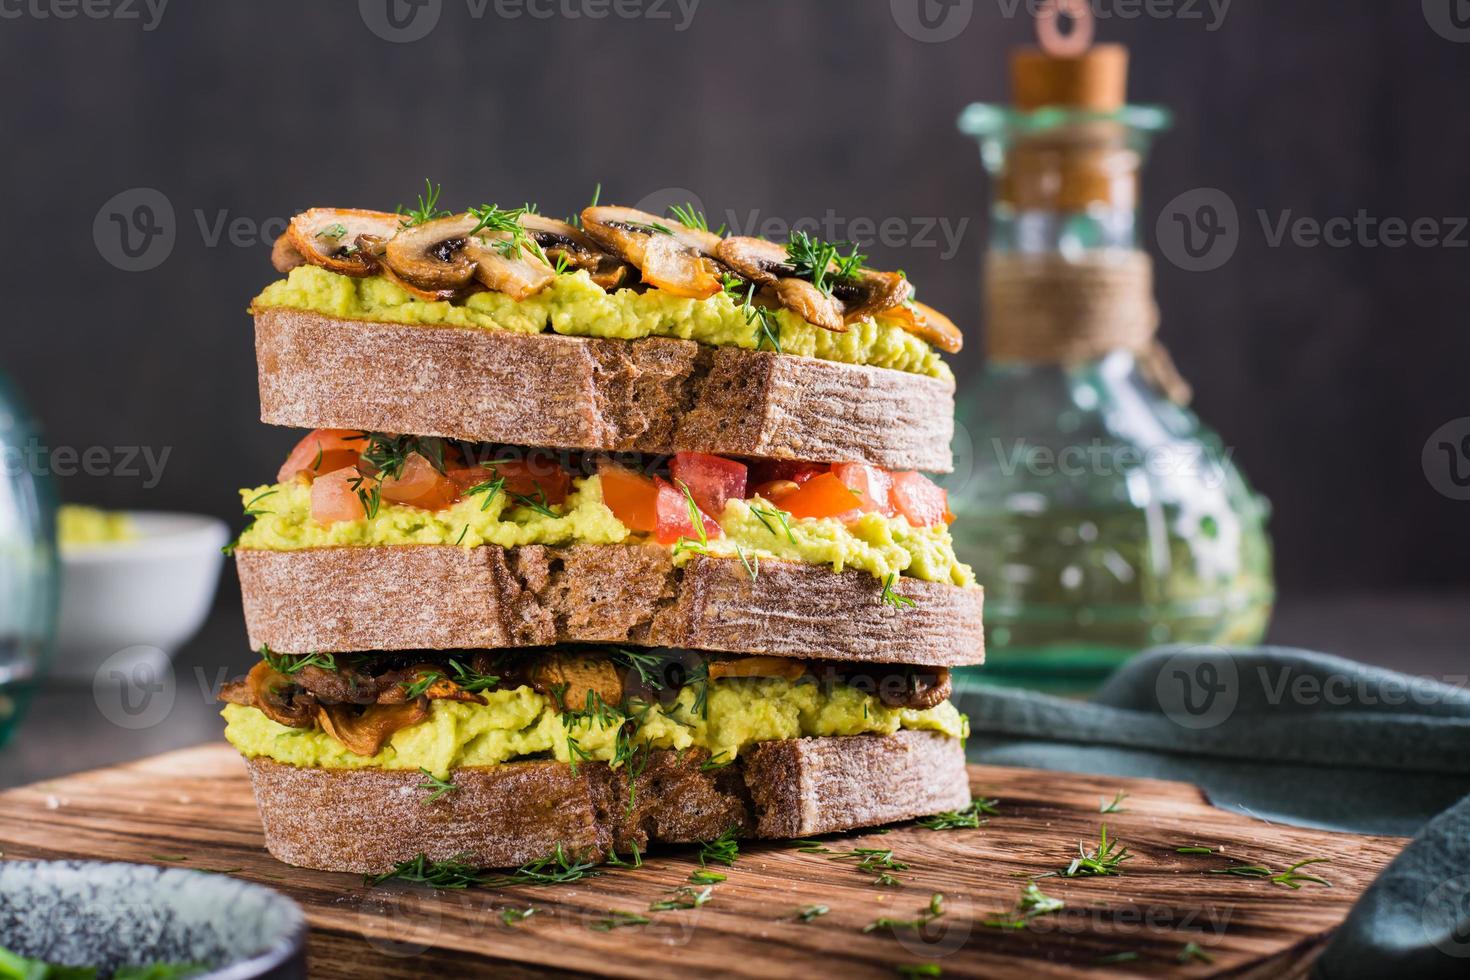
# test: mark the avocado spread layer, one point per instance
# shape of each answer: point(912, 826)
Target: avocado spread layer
point(576, 306)
point(519, 723)
point(878, 545)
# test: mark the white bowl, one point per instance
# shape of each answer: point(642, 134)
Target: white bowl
point(143, 598)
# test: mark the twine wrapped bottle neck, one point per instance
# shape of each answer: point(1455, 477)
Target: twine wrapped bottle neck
point(1049, 309)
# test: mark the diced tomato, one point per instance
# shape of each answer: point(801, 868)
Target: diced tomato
point(712, 480)
point(419, 485)
point(322, 451)
point(769, 470)
point(823, 496)
point(871, 484)
point(674, 519)
point(334, 496)
point(541, 480)
point(632, 497)
point(921, 501)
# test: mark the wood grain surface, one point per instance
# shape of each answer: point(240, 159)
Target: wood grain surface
point(193, 808)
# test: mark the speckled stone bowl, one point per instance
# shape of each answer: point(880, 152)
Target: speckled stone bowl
point(85, 913)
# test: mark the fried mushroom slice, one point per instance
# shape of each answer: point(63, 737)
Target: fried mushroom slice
point(923, 688)
point(506, 266)
point(757, 666)
point(429, 255)
point(560, 241)
point(278, 698)
point(755, 259)
point(284, 256)
point(811, 304)
point(328, 237)
point(669, 256)
point(871, 292)
point(364, 730)
point(569, 677)
point(928, 324)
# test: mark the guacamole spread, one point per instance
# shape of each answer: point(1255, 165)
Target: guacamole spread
point(574, 305)
point(878, 545)
point(78, 526)
point(519, 722)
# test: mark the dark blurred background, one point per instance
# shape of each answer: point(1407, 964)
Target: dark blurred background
point(1326, 368)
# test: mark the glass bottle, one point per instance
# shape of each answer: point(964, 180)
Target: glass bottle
point(28, 563)
point(1099, 513)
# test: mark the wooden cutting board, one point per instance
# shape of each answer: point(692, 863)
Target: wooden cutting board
point(193, 808)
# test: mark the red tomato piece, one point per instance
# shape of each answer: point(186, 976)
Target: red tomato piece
point(334, 496)
point(771, 470)
point(871, 484)
point(712, 480)
point(322, 451)
point(674, 519)
point(539, 480)
point(632, 497)
point(921, 501)
point(823, 496)
point(418, 484)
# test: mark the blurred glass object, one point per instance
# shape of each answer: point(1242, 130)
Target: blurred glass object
point(1101, 516)
point(28, 565)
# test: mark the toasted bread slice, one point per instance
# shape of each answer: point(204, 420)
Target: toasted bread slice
point(368, 820)
point(441, 597)
point(654, 395)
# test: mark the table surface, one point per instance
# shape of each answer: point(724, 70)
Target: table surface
point(68, 729)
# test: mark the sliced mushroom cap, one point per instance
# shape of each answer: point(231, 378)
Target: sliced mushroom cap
point(284, 255)
point(811, 304)
point(278, 698)
point(922, 688)
point(430, 295)
point(671, 257)
point(570, 676)
point(756, 259)
point(515, 270)
point(928, 324)
point(429, 255)
point(871, 292)
point(363, 731)
point(328, 237)
point(559, 240)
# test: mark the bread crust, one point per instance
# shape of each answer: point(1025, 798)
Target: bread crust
point(368, 820)
point(440, 597)
point(654, 395)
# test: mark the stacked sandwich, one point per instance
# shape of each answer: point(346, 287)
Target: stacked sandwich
point(605, 532)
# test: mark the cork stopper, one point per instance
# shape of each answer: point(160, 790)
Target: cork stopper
point(1097, 79)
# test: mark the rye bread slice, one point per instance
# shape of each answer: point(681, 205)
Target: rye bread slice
point(655, 395)
point(368, 820)
point(441, 597)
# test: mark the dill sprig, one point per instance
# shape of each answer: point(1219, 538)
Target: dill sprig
point(648, 665)
point(715, 762)
point(752, 567)
point(1193, 951)
point(684, 898)
point(421, 683)
point(920, 970)
point(1116, 806)
point(724, 848)
point(557, 868)
point(513, 916)
point(706, 877)
point(492, 217)
point(449, 873)
point(969, 818)
point(696, 520)
point(822, 263)
point(635, 862)
point(691, 217)
point(891, 598)
point(766, 323)
point(1194, 849)
point(254, 516)
point(427, 210)
point(490, 488)
point(1033, 902)
point(469, 679)
point(286, 663)
point(1289, 877)
point(536, 502)
point(617, 919)
point(925, 916)
point(766, 515)
point(440, 787)
point(1103, 860)
point(809, 912)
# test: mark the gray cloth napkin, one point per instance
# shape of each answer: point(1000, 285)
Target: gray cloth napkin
point(1289, 736)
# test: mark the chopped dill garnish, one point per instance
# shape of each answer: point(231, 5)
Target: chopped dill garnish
point(511, 916)
point(1103, 806)
point(767, 515)
point(287, 663)
point(1289, 877)
point(706, 877)
point(427, 210)
point(724, 848)
point(1106, 859)
point(1033, 902)
point(449, 873)
point(809, 912)
point(617, 919)
point(891, 598)
point(556, 868)
point(967, 819)
point(421, 683)
point(440, 787)
point(822, 263)
point(925, 916)
point(1192, 951)
point(684, 898)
